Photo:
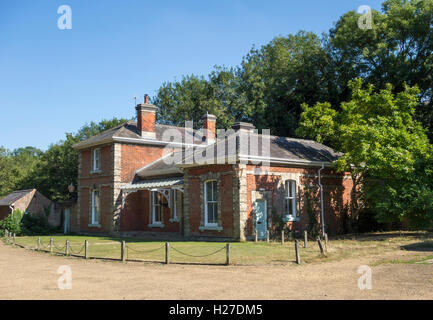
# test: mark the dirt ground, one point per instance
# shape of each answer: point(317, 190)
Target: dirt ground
point(30, 275)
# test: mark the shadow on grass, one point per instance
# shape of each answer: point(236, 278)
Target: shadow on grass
point(385, 236)
point(426, 246)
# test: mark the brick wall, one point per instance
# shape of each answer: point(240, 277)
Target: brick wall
point(136, 215)
point(197, 176)
point(101, 181)
point(135, 157)
point(337, 188)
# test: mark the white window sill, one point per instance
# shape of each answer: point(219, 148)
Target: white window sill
point(211, 228)
point(175, 220)
point(94, 225)
point(95, 171)
point(291, 219)
point(156, 225)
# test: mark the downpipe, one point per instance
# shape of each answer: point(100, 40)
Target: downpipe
point(322, 214)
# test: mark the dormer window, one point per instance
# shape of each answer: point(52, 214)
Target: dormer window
point(96, 160)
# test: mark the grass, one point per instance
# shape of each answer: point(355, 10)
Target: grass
point(246, 253)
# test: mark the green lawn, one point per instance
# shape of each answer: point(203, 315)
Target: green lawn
point(247, 253)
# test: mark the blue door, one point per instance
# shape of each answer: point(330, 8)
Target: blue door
point(261, 219)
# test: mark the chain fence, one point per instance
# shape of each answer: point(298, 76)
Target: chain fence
point(198, 256)
point(168, 253)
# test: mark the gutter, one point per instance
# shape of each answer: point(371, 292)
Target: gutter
point(83, 145)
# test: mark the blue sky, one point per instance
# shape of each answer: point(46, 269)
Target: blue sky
point(54, 81)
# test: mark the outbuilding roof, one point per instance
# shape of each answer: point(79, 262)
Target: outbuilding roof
point(15, 196)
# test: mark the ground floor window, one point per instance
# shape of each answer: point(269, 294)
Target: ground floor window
point(211, 203)
point(290, 200)
point(174, 208)
point(157, 205)
point(95, 207)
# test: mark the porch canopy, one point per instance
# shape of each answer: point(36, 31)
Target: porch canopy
point(162, 186)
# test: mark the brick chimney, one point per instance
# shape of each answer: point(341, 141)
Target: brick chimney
point(146, 119)
point(209, 127)
point(244, 126)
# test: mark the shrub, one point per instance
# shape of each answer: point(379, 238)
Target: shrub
point(12, 223)
point(26, 224)
point(36, 225)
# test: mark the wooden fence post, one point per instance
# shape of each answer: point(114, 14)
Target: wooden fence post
point(7, 235)
point(123, 251)
point(167, 253)
point(67, 247)
point(267, 236)
point(51, 245)
point(298, 258)
point(228, 254)
point(305, 239)
point(86, 249)
point(282, 237)
point(320, 245)
point(326, 241)
point(39, 244)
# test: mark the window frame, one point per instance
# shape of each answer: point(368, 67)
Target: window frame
point(213, 201)
point(291, 199)
point(96, 161)
point(154, 205)
point(95, 214)
point(174, 209)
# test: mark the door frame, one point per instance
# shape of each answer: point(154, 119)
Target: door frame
point(66, 220)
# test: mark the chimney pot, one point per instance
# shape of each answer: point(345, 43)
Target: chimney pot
point(146, 99)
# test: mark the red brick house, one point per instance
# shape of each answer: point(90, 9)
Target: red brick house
point(144, 178)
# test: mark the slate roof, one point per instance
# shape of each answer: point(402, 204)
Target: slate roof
point(129, 130)
point(280, 148)
point(14, 196)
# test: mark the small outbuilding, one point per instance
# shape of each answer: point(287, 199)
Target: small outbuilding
point(30, 201)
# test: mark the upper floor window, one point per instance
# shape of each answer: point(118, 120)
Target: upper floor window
point(96, 160)
point(290, 201)
point(211, 203)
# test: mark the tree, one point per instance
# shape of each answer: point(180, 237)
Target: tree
point(277, 78)
point(385, 148)
point(397, 50)
point(15, 167)
point(192, 97)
